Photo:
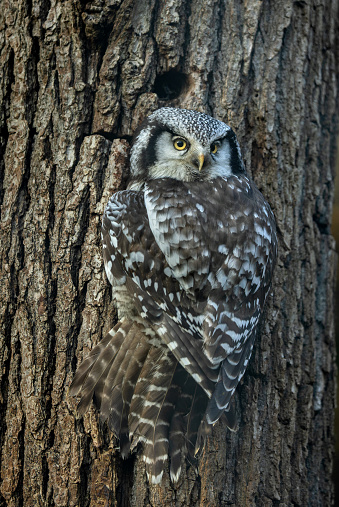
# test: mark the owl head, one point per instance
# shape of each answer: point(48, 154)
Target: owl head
point(184, 145)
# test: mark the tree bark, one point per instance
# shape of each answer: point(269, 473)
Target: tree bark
point(75, 81)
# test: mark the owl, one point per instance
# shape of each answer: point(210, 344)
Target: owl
point(189, 249)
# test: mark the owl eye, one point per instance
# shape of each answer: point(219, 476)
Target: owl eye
point(214, 148)
point(179, 144)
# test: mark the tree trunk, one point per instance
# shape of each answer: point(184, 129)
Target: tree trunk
point(75, 81)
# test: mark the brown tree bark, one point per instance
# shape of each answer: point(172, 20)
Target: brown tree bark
point(75, 81)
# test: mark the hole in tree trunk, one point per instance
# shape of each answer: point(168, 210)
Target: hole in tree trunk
point(169, 86)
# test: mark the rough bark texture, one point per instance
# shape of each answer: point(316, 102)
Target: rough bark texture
point(75, 81)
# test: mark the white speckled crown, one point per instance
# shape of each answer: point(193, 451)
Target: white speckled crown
point(186, 121)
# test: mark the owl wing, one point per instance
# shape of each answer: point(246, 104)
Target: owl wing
point(231, 323)
point(222, 249)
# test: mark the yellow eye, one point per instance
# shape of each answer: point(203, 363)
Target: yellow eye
point(179, 144)
point(214, 148)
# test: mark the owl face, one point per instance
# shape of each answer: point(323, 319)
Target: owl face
point(184, 145)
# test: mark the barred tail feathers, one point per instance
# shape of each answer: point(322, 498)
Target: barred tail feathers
point(96, 366)
point(106, 370)
point(146, 395)
point(118, 396)
point(152, 407)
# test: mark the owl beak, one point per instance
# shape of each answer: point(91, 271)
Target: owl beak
point(201, 161)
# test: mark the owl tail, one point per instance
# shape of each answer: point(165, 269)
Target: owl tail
point(165, 414)
point(146, 396)
point(92, 373)
point(109, 375)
